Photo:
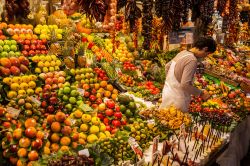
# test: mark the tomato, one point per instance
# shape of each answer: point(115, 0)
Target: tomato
point(34, 42)
point(32, 47)
point(26, 47)
point(25, 53)
point(118, 115)
point(98, 101)
point(99, 115)
point(31, 52)
point(92, 98)
point(110, 104)
point(106, 121)
point(86, 94)
point(116, 123)
point(123, 122)
point(27, 42)
point(117, 108)
point(114, 130)
point(44, 41)
point(108, 128)
point(109, 112)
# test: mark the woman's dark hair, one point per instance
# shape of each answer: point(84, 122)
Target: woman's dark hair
point(208, 42)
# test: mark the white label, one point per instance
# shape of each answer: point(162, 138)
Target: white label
point(84, 152)
point(138, 73)
point(118, 70)
point(136, 148)
point(81, 91)
point(72, 121)
point(46, 135)
point(14, 113)
point(151, 121)
point(37, 102)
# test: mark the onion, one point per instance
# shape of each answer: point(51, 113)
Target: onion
point(112, 19)
point(112, 5)
point(111, 24)
point(112, 12)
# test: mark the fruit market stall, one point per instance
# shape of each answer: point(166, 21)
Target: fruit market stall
point(81, 85)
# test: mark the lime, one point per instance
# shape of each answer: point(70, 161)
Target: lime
point(65, 98)
point(66, 90)
point(122, 108)
point(128, 113)
point(73, 93)
point(72, 100)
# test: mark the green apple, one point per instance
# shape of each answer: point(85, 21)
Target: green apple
point(1, 48)
point(68, 107)
point(72, 100)
point(13, 48)
point(1, 43)
point(7, 42)
point(4, 54)
point(18, 53)
point(66, 90)
point(12, 53)
point(6, 48)
point(13, 42)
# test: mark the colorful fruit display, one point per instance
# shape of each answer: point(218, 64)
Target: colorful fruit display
point(9, 48)
point(33, 47)
point(14, 66)
point(46, 31)
point(46, 63)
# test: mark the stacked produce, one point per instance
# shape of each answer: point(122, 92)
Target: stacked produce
point(47, 31)
point(9, 48)
point(33, 47)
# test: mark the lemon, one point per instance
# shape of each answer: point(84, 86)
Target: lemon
point(24, 86)
point(57, 68)
point(102, 136)
point(25, 79)
point(38, 70)
point(84, 127)
point(32, 84)
point(30, 92)
point(82, 136)
point(95, 121)
point(11, 94)
point(52, 63)
point(107, 133)
point(53, 57)
point(35, 58)
point(33, 77)
point(21, 92)
point(51, 69)
point(45, 70)
point(58, 62)
point(7, 80)
point(92, 138)
point(47, 64)
point(94, 129)
point(86, 118)
point(14, 86)
point(48, 58)
point(40, 64)
point(102, 127)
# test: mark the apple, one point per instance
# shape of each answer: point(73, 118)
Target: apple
point(1, 48)
point(4, 54)
point(12, 53)
point(1, 43)
point(27, 42)
point(7, 42)
point(37, 144)
point(30, 132)
point(26, 47)
point(6, 48)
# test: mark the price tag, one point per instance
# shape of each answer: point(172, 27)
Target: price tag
point(118, 70)
point(84, 152)
point(135, 146)
point(155, 148)
point(182, 129)
point(138, 73)
point(81, 91)
point(46, 135)
point(72, 121)
point(14, 113)
point(126, 163)
point(34, 100)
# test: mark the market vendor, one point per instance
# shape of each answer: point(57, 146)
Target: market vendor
point(180, 71)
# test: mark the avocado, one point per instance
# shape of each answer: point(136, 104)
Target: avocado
point(124, 99)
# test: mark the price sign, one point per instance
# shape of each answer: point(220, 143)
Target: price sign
point(135, 146)
point(14, 113)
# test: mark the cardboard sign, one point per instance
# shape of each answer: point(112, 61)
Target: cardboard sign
point(136, 148)
point(14, 113)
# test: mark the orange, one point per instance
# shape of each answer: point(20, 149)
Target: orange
point(82, 141)
point(67, 122)
point(33, 155)
point(11, 26)
point(20, 163)
point(110, 87)
point(15, 37)
point(115, 91)
point(54, 147)
point(60, 116)
point(65, 141)
point(46, 150)
point(114, 96)
point(24, 142)
point(30, 123)
point(31, 163)
point(107, 93)
point(56, 127)
point(64, 148)
point(40, 135)
point(103, 84)
point(96, 86)
point(85, 86)
point(55, 138)
point(74, 145)
point(50, 119)
point(22, 152)
point(3, 25)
